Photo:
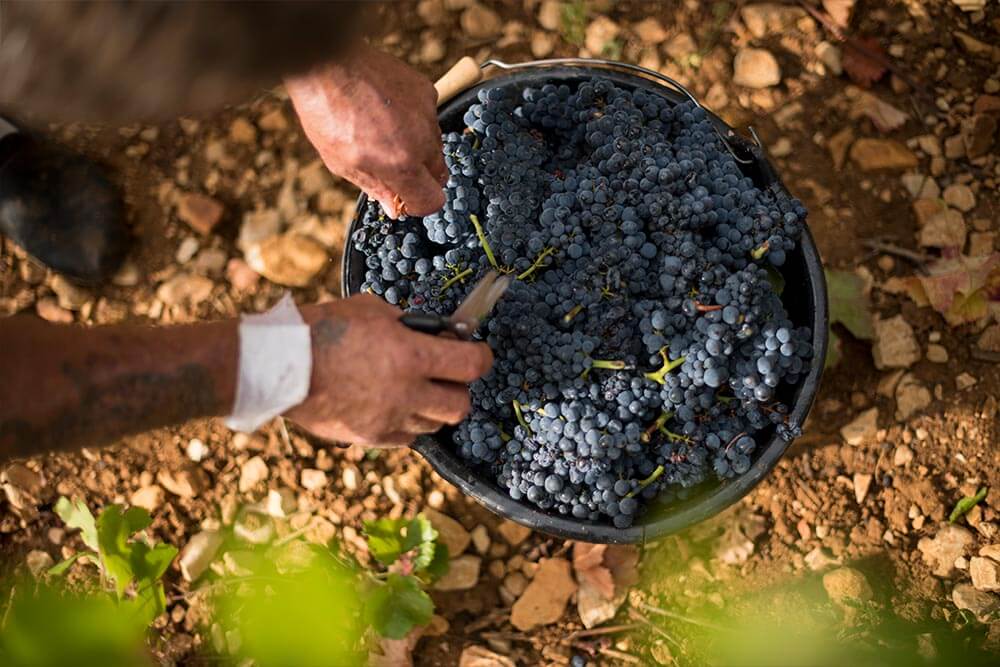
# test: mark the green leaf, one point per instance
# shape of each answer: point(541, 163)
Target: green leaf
point(776, 279)
point(60, 568)
point(75, 514)
point(963, 506)
point(849, 304)
point(440, 562)
point(136, 519)
point(420, 535)
point(112, 542)
point(385, 539)
point(149, 563)
point(149, 602)
point(394, 608)
point(833, 350)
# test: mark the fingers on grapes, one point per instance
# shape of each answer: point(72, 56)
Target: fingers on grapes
point(419, 425)
point(452, 360)
point(444, 402)
point(420, 190)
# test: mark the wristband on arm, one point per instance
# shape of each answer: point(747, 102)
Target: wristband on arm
point(275, 365)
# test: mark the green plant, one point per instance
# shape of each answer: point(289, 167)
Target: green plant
point(574, 21)
point(126, 558)
point(963, 506)
point(409, 550)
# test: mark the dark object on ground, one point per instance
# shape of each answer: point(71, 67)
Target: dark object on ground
point(61, 208)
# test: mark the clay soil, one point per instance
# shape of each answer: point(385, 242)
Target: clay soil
point(803, 519)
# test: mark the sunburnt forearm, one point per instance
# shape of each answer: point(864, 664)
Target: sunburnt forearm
point(70, 387)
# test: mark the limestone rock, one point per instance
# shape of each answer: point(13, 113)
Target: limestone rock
point(201, 212)
point(544, 601)
point(185, 288)
point(911, 397)
point(513, 532)
point(985, 573)
point(895, 344)
point(770, 18)
point(600, 32)
point(861, 429)
point(983, 605)
point(756, 68)
point(290, 259)
point(846, 583)
point(480, 22)
point(650, 31)
point(941, 551)
point(463, 574)
point(882, 154)
point(450, 532)
point(550, 15)
point(253, 472)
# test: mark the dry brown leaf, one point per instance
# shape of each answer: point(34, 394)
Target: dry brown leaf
point(623, 561)
point(396, 652)
point(587, 556)
point(863, 69)
point(963, 289)
point(609, 569)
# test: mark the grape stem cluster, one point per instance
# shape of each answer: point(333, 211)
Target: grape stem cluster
point(659, 376)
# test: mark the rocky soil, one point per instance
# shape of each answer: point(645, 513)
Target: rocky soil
point(882, 117)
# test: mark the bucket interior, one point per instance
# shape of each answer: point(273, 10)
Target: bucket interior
point(804, 297)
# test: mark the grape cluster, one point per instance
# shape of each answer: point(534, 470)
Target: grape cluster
point(643, 346)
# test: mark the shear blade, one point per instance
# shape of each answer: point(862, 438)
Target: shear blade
point(480, 300)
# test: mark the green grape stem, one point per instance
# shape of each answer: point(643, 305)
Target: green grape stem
point(576, 310)
point(761, 250)
point(659, 376)
point(658, 425)
point(646, 482)
point(536, 264)
point(608, 364)
point(483, 242)
point(455, 278)
point(520, 416)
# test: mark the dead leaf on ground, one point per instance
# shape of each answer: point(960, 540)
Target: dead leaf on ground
point(588, 563)
point(963, 289)
point(850, 306)
point(610, 569)
point(396, 652)
point(863, 68)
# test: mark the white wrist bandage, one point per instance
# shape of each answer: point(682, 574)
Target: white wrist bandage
point(275, 365)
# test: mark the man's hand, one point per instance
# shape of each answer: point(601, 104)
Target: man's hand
point(373, 120)
point(374, 381)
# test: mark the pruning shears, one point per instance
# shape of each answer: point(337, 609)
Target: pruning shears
point(467, 317)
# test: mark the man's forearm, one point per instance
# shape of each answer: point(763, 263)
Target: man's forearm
point(69, 387)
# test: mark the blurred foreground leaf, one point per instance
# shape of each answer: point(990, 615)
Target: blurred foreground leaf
point(47, 627)
point(310, 617)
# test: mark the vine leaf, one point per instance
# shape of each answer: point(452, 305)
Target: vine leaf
point(864, 68)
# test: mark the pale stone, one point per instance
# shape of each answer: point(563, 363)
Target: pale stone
point(463, 574)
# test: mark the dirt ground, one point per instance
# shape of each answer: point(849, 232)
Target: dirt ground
point(874, 500)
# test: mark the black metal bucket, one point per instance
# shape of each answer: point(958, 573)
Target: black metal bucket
point(804, 297)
